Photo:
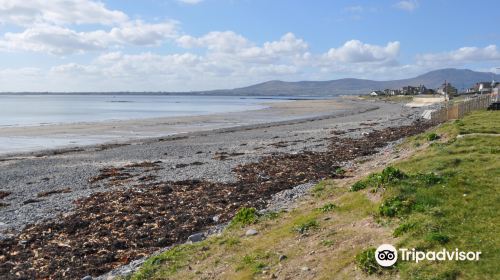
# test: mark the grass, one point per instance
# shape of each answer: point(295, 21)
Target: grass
point(366, 261)
point(245, 216)
point(452, 200)
point(444, 196)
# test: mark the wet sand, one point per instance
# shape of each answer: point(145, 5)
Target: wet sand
point(34, 138)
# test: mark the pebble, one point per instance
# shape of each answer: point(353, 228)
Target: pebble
point(251, 232)
point(197, 237)
point(305, 268)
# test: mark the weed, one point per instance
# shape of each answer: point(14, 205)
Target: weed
point(438, 237)
point(366, 261)
point(429, 179)
point(245, 216)
point(327, 207)
point(339, 171)
point(432, 136)
point(403, 228)
point(396, 206)
point(306, 226)
point(327, 242)
point(377, 180)
point(359, 185)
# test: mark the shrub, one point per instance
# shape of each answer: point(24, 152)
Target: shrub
point(244, 216)
point(396, 206)
point(366, 261)
point(376, 180)
point(359, 185)
point(432, 136)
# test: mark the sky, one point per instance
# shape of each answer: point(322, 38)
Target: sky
point(188, 45)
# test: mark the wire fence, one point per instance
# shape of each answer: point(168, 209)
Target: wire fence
point(460, 109)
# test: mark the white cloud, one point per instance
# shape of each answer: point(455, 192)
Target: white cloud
point(226, 41)
point(355, 51)
point(50, 39)
point(63, 41)
point(460, 56)
point(58, 12)
point(407, 5)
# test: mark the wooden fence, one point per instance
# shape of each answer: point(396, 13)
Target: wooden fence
point(452, 111)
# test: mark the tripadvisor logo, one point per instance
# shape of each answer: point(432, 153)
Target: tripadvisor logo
point(386, 255)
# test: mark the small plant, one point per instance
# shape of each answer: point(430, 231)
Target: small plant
point(245, 216)
point(339, 171)
point(396, 206)
point(438, 237)
point(366, 261)
point(376, 180)
point(327, 242)
point(306, 226)
point(403, 228)
point(359, 185)
point(318, 189)
point(429, 179)
point(432, 136)
point(327, 207)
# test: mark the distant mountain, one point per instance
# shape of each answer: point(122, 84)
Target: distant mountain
point(460, 78)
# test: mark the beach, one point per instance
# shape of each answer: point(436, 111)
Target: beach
point(41, 186)
point(17, 139)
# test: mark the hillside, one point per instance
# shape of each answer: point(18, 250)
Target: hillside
point(461, 78)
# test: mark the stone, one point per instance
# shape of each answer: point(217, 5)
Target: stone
point(216, 218)
point(197, 237)
point(305, 268)
point(251, 232)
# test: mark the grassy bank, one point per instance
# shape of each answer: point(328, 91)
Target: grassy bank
point(446, 195)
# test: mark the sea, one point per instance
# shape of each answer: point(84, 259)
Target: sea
point(35, 110)
point(19, 111)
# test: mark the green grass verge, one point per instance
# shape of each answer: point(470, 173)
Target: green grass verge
point(449, 198)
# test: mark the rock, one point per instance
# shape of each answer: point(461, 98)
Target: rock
point(197, 237)
point(282, 258)
point(216, 218)
point(88, 277)
point(251, 232)
point(305, 268)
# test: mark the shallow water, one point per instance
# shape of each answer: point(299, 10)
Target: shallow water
point(33, 110)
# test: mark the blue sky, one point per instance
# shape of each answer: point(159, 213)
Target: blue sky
point(182, 45)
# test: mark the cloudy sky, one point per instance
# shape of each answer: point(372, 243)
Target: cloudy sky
point(183, 45)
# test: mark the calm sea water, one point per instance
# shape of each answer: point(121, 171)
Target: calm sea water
point(30, 110)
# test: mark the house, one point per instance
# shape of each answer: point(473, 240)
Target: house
point(485, 87)
point(410, 90)
point(392, 92)
point(447, 89)
point(377, 93)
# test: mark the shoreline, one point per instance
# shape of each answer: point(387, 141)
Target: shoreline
point(88, 135)
point(41, 190)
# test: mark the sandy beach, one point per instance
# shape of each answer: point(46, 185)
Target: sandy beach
point(41, 185)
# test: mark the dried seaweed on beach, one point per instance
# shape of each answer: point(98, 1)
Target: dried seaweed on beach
point(112, 228)
point(4, 194)
point(49, 193)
